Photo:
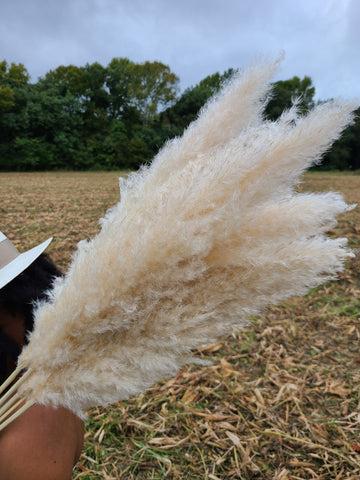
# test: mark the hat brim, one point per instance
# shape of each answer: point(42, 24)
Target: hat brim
point(20, 263)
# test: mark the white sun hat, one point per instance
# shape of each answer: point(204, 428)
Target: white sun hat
point(12, 262)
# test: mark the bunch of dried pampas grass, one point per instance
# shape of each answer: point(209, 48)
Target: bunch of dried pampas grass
point(206, 237)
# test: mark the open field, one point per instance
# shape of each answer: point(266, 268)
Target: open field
point(281, 400)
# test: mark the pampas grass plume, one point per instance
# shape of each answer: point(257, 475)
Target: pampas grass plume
point(206, 237)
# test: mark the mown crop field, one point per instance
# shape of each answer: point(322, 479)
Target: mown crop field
point(281, 400)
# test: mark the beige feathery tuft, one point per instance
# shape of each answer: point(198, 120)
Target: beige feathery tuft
point(206, 237)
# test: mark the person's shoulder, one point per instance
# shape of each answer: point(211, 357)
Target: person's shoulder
point(42, 443)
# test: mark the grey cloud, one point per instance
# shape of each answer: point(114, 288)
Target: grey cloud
point(195, 38)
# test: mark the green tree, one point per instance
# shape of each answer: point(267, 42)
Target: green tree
point(118, 81)
point(17, 74)
point(177, 117)
point(119, 108)
point(7, 98)
point(70, 78)
point(40, 129)
point(13, 92)
point(86, 88)
point(11, 77)
point(345, 152)
point(286, 91)
point(153, 87)
point(119, 116)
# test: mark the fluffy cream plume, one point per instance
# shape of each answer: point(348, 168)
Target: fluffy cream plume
point(202, 240)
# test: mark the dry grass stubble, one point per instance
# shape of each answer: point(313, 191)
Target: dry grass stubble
point(281, 400)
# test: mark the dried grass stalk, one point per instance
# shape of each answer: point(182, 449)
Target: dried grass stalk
point(207, 236)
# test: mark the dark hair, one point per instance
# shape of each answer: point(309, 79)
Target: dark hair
point(19, 297)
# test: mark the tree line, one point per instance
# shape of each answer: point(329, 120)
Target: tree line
point(118, 116)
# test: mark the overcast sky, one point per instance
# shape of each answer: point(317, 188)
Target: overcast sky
point(320, 38)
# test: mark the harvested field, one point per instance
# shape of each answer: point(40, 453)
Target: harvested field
point(281, 400)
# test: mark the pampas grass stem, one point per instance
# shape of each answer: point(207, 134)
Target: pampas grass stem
point(11, 400)
point(17, 414)
point(6, 406)
point(9, 380)
point(16, 385)
point(7, 409)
